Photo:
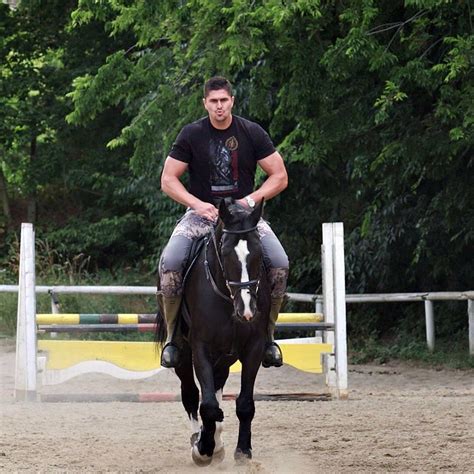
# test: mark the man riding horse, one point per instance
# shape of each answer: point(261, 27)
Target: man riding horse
point(220, 153)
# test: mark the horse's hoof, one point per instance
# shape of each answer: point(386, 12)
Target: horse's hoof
point(194, 438)
point(273, 356)
point(170, 356)
point(218, 456)
point(242, 455)
point(200, 460)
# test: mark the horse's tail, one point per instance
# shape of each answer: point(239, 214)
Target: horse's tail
point(160, 329)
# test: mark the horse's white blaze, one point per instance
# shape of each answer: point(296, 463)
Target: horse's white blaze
point(219, 425)
point(242, 251)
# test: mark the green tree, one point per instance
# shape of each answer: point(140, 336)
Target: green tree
point(370, 103)
point(76, 190)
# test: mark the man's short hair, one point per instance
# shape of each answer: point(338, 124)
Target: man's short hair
point(216, 83)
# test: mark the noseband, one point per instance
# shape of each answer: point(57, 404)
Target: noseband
point(239, 285)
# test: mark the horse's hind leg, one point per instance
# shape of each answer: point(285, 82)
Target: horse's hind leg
point(189, 391)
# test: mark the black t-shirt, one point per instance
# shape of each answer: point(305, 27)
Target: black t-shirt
point(222, 163)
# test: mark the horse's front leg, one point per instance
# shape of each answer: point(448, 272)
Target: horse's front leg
point(189, 391)
point(221, 373)
point(209, 409)
point(245, 406)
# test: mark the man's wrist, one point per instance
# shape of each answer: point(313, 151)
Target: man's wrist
point(194, 202)
point(250, 201)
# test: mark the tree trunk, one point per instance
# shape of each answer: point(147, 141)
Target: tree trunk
point(5, 201)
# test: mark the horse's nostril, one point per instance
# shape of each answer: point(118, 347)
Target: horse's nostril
point(248, 316)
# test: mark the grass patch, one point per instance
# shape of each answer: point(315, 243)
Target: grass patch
point(452, 353)
point(8, 313)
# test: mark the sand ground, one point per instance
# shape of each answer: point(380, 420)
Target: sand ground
point(397, 418)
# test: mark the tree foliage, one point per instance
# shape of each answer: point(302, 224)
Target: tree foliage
point(71, 185)
point(370, 103)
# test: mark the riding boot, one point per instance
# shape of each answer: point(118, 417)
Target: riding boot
point(273, 356)
point(171, 353)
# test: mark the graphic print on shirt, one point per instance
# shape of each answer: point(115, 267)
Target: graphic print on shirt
point(224, 166)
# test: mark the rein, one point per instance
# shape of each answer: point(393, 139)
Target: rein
point(208, 270)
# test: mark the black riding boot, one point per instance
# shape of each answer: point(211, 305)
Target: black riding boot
point(171, 353)
point(273, 356)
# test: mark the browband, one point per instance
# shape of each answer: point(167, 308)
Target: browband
point(243, 231)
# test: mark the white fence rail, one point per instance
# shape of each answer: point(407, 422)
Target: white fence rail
point(333, 299)
point(300, 297)
point(427, 297)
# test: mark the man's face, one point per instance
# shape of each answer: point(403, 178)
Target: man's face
point(219, 106)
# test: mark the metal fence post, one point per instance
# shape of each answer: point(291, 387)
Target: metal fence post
point(55, 308)
point(470, 313)
point(430, 328)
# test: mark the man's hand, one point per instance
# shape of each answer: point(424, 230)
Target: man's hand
point(243, 203)
point(207, 210)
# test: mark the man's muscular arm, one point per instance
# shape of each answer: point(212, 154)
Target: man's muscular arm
point(172, 186)
point(276, 182)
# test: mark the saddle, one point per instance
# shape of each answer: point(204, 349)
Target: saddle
point(194, 253)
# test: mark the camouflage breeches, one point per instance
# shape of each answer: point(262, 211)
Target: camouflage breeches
point(190, 228)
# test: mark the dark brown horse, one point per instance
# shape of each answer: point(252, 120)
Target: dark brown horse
point(225, 316)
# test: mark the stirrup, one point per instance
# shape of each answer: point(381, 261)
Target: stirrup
point(170, 356)
point(272, 356)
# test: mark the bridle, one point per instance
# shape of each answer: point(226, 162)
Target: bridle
point(238, 285)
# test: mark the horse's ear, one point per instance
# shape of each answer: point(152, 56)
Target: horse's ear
point(224, 213)
point(257, 212)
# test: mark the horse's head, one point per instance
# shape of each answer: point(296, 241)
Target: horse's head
point(241, 256)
